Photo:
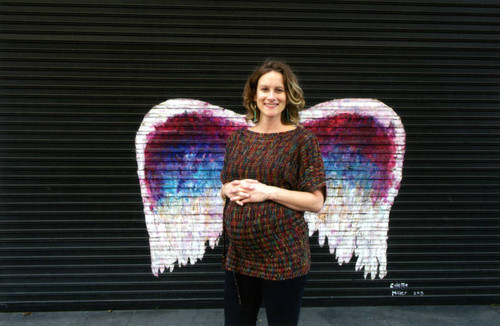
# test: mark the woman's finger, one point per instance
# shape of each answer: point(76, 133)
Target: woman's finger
point(238, 197)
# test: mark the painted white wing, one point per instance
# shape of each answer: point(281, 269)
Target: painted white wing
point(180, 149)
point(362, 143)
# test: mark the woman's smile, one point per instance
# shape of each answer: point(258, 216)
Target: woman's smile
point(271, 105)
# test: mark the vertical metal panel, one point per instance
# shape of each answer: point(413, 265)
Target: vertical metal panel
point(77, 77)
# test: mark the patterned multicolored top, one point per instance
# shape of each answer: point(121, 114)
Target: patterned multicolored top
point(268, 240)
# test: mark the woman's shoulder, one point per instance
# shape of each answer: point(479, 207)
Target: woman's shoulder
point(236, 132)
point(234, 136)
point(305, 134)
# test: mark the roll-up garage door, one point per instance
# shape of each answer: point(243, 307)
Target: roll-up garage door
point(78, 77)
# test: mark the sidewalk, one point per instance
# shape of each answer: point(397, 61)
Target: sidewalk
point(344, 316)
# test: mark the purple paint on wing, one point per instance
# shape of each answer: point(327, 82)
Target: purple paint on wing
point(184, 155)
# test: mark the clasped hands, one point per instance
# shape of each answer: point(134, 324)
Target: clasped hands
point(246, 191)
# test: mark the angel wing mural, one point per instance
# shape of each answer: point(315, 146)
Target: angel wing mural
point(180, 151)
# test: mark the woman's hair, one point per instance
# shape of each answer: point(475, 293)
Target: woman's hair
point(294, 95)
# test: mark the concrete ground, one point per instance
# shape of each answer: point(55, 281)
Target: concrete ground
point(344, 316)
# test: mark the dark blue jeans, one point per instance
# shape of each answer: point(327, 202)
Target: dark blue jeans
point(243, 296)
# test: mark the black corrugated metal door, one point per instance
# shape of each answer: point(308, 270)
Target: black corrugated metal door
point(77, 78)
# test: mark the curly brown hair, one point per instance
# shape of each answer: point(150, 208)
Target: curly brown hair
point(294, 94)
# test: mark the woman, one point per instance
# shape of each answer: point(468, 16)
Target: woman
point(273, 172)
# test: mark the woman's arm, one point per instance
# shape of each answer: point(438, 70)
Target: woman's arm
point(297, 200)
point(252, 191)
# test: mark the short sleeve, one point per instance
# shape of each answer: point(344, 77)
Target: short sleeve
point(224, 175)
point(311, 166)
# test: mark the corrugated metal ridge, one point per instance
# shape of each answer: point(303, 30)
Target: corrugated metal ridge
point(346, 6)
point(421, 27)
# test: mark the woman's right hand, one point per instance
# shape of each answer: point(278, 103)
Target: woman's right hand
point(235, 190)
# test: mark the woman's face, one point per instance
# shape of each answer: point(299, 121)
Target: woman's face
point(271, 95)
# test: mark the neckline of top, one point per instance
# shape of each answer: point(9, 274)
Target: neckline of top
point(270, 134)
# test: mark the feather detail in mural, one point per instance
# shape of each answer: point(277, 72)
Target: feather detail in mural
point(180, 151)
